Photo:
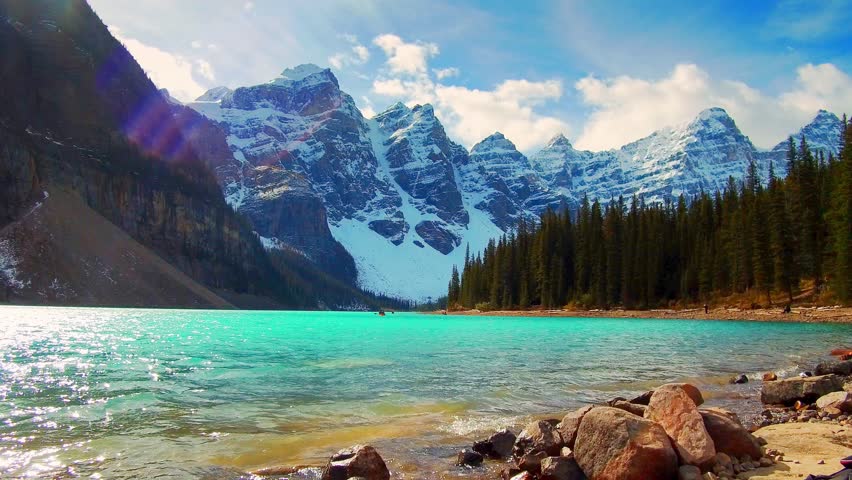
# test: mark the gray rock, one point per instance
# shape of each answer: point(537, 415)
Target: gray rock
point(807, 389)
point(469, 458)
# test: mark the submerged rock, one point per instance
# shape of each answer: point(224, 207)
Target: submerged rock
point(613, 444)
point(469, 458)
point(498, 445)
point(357, 461)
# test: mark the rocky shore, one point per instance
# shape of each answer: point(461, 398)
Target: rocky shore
point(666, 433)
point(825, 314)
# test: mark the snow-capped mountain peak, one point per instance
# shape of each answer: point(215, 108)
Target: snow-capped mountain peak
point(822, 134)
point(494, 144)
point(215, 94)
point(713, 121)
point(299, 72)
point(558, 141)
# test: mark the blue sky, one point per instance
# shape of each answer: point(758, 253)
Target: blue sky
point(604, 73)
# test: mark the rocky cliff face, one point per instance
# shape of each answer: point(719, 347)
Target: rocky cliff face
point(80, 116)
point(505, 184)
point(384, 188)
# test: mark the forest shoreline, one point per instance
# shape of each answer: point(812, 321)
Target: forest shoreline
point(834, 314)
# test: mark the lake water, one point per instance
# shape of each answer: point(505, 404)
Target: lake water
point(132, 393)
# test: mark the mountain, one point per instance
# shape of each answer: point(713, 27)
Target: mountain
point(506, 185)
point(383, 200)
point(391, 203)
point(822, 134)
point(106, 198)
point(698, 155)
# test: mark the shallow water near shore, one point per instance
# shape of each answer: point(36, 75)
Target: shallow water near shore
point(134, 393)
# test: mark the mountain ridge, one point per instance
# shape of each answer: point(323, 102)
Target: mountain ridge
point(421, 198)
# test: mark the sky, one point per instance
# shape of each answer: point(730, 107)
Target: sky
point(602, 73)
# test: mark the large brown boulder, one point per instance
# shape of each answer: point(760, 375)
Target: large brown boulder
point(808, 389)
point(728, 434)
point(613, 444)
point(570, 423)
point(693, 392)
point(839, 400)
point(674, 409)
point(538, 436)
point(358, 461)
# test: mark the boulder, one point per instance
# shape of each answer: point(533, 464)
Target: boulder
point(728, 434)
point(840, 400)
point(561, 468)
point(469, 458)
point(676, 412)
point(634, 408)
point(805, 389)
point(831, 367)
point(688, 472)
point(691, 390)
point(502, 443)
point(643, 399)
point(770, 377)
point(612, 444)
point(358, 461)
point(570, 423)
point(740, 379)
point(538, 436)
point(531, 461)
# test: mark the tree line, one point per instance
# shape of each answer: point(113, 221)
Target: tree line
point(754, 236)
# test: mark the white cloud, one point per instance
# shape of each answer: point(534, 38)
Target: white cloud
point(443, 73)
point(248, 6)
point(469, 115)
point(357, 55)
point(627, 108)
point(196, 44)
point(366, 107)
point(176, 73)
point(361, 52)
point(406, 58)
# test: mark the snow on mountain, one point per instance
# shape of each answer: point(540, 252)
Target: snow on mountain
point(822, 135)
point(388, 186)
point(214, 94)
point(686, 159)
point(503, 183)
point(392, 202)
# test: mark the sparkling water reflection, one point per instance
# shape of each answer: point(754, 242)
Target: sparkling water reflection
point(129, 393)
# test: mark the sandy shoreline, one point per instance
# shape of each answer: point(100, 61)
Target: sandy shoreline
point(798, 314)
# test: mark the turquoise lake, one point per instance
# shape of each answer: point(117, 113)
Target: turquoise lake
point(132, 393)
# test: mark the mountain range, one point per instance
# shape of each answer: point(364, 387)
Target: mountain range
point(405, 202)
point(282, 194)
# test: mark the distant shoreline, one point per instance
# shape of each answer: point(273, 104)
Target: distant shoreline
point(798, 314)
